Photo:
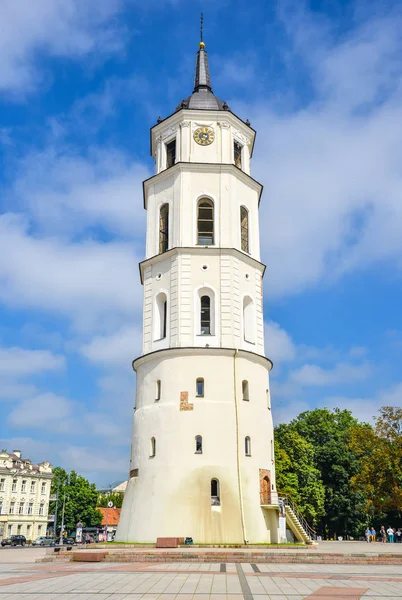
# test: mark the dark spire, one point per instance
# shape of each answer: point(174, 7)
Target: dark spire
point(202, 97)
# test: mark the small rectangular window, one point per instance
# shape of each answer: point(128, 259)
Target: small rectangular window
point(237, 150)
point(12, 508)
point(43, 490)
point(2, 484)
point(24, 485)
point(14, 486)
point(21, 509)
point(158, 390)
point(200, 387)
point(170, 154)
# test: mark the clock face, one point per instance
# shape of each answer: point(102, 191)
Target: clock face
point(204, 136)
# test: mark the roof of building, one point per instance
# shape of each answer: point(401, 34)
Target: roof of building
point(113, 515)
point(13, 461)
point(202, 97)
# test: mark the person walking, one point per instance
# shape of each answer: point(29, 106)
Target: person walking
point(373, 534)
point(367, 535)
point(398, 536)
point(390, 532)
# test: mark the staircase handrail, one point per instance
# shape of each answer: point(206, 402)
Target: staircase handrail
point(290, 502)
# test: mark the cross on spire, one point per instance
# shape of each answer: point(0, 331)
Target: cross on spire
point(201, 26)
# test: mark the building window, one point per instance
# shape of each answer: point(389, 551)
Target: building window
point(215, 493)
point(247, 446)
point(158, 390)
point(43, 490)
point(30, 508)
point(12, 508)
point(200, 387)
point(198, 444)
point(170, 154)
point(205, 222)
point(41, 509)
point(2, 484)
point(268, 399)
point(244, 228)
point(153, 448)
point(244, 388)
point(272, 450)
point(1, 507)
point(19, 529)
point(24, 485)
point(160, 316)
point(164, 228)
point(21, 508)
point(248, 320)
point(237, 151)
point(205, 315)
point(33, 486)
point(14, 486)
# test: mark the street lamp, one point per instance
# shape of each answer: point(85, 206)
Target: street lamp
point(62, 519)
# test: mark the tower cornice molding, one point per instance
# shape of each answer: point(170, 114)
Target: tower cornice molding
point(209, 251)
point(200, 351)
point(207, 167)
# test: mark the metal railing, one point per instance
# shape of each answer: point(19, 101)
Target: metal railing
point(289, 502)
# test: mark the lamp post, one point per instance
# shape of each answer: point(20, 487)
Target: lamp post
point(55, 512)
point(62, 519)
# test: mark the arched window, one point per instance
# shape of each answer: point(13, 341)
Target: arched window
point(215, 493)
point(160, 316)
point(244, 388)
point(268, 399)
point(237, 152)
point(244, 228)
point(205, 222)
point(164, 228)
point(247, 446)
point(152, 448)
point(248, 320)
point(158, 390)
point(200, 387)
point(205, 315)
point(198, 444)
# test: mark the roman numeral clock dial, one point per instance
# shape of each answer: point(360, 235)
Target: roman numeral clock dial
point(204, 136)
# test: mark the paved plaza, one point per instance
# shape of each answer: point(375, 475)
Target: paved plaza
point(21, 577)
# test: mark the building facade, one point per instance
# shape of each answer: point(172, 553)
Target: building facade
point(24, 496)
point(202, 456)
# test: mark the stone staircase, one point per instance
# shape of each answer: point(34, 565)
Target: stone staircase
point(296, 522)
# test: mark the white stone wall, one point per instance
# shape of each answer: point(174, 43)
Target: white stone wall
point(170, 496)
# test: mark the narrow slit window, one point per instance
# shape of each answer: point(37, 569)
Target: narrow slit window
point(247, 446)
point(160, 317)
point(200, 387)
point(249, 320)
point(170, 154)
point(158, 390)
point(153, 448)
point(237, 151)
point(205, 223)
point(198, 444)
point(205, 315)
point(164, 228)
point(215, 493)
point(164, 321)
point(244, 229)
point(245, 392)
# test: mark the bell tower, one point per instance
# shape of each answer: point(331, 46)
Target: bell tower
point(202, 462)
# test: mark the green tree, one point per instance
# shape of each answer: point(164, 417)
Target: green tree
point(329, 433)
point(380, 452)
point(296, 473)
point(80, 500)
point(115, 497)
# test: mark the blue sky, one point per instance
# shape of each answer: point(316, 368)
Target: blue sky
point(81, 83)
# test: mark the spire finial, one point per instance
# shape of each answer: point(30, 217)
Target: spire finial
point(202, 45)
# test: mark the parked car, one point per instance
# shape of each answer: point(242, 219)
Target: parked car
point(66, 541)
point(14, 540)
point(43, 541)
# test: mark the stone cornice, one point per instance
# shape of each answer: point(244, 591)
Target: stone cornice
point(200, 351)
point(205, 251)
point(208, 167)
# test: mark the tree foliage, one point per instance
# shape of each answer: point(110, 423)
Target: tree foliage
point(80, 500)
point(115, 497)
point(328, 434)
point(380, 453)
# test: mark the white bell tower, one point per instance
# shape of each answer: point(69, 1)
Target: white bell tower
point(202, 462)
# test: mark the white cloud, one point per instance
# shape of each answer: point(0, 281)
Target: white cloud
point(88, 282)
point(117, 350)
point(20, 362)
point(42, 411)
point(332, 179)
point(279, 346)
point(70, 28)
point(313, 375)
